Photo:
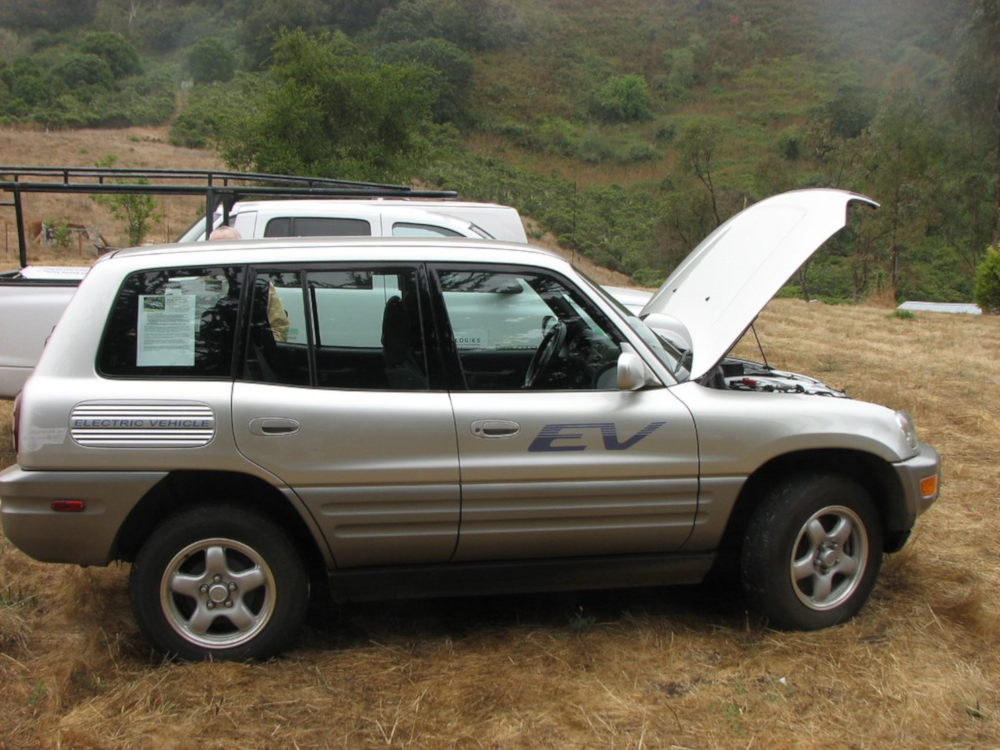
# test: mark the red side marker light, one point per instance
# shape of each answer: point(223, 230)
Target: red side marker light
point(68, 506)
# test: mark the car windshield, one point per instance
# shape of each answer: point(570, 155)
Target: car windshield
point(196, 230)
point(675, 359)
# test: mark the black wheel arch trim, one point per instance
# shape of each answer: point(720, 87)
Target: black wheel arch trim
point(873, 473)
point(182, 490)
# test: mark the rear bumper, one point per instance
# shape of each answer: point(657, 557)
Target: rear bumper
point(82, 538)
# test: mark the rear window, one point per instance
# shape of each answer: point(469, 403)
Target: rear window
point(178, 322)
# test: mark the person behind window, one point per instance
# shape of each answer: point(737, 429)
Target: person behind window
point(276, 314)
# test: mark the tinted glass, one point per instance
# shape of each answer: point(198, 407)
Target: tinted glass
point(402, 229)
point(277, 346)
point(363, 326)
point(368, 333)
point(173, 322)
point(515, 331)
point(304, 226)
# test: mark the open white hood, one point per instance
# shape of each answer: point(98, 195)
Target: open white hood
point(721, 287)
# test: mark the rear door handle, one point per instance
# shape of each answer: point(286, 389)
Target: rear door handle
point(495, 428)
point(269, 426)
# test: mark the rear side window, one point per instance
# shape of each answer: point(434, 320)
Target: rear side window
point(305, 226)
point(354, 328)
point(178, 322)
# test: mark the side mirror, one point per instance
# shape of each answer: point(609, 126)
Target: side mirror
point(670, 328)
point(632, 372)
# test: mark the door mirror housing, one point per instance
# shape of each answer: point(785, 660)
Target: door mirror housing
point(633, 373)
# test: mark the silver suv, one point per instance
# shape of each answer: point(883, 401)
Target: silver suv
point(404, 418)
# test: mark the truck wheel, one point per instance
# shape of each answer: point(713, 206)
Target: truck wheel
point(811, 552)
point(219, 583)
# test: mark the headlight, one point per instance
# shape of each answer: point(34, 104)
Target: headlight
point(906, 426)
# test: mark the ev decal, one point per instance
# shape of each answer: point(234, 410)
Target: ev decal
point(550, 433)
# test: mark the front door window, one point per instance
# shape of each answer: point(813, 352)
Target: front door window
point(516, 331)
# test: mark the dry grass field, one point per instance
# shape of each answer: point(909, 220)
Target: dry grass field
point(136, 148)
point(653, 668)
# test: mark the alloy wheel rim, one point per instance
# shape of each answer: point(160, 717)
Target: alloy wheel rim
point(217, 593)
point(829, 558)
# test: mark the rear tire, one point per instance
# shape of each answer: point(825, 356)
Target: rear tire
point(812, 552)
point(219, 583)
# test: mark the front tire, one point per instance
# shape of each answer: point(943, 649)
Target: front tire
point(812, 552)
point(219, 583)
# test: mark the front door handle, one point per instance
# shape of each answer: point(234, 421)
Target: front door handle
point(270, 426)
point(495, 428)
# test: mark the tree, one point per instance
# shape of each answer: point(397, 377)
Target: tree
point(897, 157)
point(409, 21)
point(137, 211)
point(262, 26)
point(209, 60)
point(851, 111)
point(451, 73)
point(470, 24)
point(52, 15)
point(328, 109)
point(977, 82)
point(986, 292)
point(78, 69)
point(122, 57)
point(697, 144)
point(163, 28)
point(353, 16)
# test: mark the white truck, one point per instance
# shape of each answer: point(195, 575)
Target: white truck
point(367, 218)
point(36, 296)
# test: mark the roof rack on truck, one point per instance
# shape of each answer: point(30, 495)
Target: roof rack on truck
point(218, 187)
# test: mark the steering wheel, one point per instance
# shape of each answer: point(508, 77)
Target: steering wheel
point(552, 342)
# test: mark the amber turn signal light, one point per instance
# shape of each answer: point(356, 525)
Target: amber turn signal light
point(929, 486)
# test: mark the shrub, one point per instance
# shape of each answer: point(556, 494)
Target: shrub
point(116, 51)
point(143, 101)
point(624, 99)
point(681, 78)
point(136, 211)
point(560, 136)
point(210, 60)
point(986, 292)
point(790, 143)
point(78, 69)
point(666, 132)
point(30, 90)
point(851, 111)
point(206, 115)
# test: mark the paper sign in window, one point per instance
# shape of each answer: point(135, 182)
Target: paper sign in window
point(166, 330)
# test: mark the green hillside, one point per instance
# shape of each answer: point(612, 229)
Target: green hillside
point(628, 130)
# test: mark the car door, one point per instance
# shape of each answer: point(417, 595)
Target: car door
point(555, 460)
point(341, 410)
